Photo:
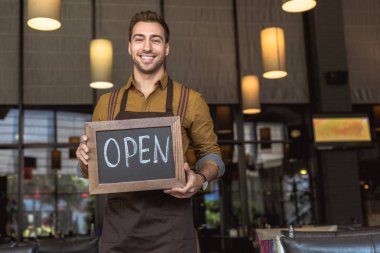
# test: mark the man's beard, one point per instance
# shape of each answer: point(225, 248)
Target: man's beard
point(153, 70)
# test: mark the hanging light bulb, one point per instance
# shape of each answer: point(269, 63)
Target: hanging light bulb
point(44, 15)
point(298, 5)
point(101, 64)
point(250, 94)
point(273, 52)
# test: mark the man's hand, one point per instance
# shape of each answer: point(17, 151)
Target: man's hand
point(82, 153)
point(193, 185)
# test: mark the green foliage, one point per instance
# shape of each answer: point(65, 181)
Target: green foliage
point(212, 213)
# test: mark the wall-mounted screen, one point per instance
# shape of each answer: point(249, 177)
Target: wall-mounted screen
point(341, 130)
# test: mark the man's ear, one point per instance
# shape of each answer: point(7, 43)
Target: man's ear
point(129, 48)
point(167, 47)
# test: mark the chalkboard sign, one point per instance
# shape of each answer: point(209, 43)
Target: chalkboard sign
point(135, 155)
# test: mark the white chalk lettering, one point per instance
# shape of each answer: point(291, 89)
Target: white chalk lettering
point(105, 153)
point(127, 154)
point(143, 150)
point(158, 147)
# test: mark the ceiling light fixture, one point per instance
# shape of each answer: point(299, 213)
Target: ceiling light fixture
point(250, 94)
point(298, 5)
point(273, 52)
point(44, 15)
point(101, 55)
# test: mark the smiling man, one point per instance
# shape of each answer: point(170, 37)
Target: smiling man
point(148, 49)
point(156, 221)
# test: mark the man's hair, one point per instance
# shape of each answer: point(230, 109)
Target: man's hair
point(148, 16)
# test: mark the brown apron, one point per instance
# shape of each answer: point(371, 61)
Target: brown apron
point(147, 221)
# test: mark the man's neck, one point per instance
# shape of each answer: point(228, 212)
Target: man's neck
point(146, 82)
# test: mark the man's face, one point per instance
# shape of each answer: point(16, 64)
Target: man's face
point(148, 47)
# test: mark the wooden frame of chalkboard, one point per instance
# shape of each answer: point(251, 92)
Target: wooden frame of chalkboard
point(105, 173)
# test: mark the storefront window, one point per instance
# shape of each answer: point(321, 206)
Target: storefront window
point(9, 127)
point(70, 124)
point(39, 126)
point(54, 200)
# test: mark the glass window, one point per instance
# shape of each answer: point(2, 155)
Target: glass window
point(212, 204)
point(39, 126)
point(75, 213)
point(9, 127)
point(39, 206)
point(268, 131)
point(12, 205)
point(270, 155)
point(44, 164)
point(229, 195)
point(68, 163)
point(255, 196)
point(41, 163)
point(55, 201)
point(8, 161)
point(74, 205)
point(296, 196)
point(71, 124)
point(250, 148)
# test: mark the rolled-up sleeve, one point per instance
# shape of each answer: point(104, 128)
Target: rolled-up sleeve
point(202, 135)
point(215, 160)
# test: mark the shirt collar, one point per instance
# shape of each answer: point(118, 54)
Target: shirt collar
point(163, 82)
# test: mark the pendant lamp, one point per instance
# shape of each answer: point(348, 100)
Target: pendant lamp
point(250, 94)
point(298, 5)
point(273, 52)
point(44, 15)
point(101, 55)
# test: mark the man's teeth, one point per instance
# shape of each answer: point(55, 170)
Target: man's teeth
point(147, 57)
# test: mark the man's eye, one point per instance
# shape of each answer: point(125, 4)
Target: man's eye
point(156, 41)
point(138, 39)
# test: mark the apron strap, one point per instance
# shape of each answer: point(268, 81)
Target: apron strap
point(123, 103)
point(112, 104)
point(169, 96)
point(183, 103)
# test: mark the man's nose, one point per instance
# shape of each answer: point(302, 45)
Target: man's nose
point(147, 45)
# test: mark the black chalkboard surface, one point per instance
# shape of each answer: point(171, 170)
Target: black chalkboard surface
point(135, 155)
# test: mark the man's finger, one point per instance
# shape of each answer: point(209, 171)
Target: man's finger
point(81, 158)
point(84, 155)
point(186, 167)
point(176, 190)
point(83, 139)
point(84, 161)
point(177, 195)
point(84, 147)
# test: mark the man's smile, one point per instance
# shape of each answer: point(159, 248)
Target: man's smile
point(147, 58)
